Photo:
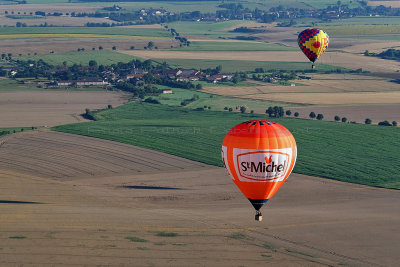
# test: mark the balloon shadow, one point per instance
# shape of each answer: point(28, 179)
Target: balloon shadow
point(18, 202)
point(150, 187)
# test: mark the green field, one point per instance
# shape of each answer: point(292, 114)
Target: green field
point(5, 131)
point(243, 65)
point(216, 102)
point(234, 46)
point(356, 153)
point(103, 57)
point(357, 30)
point(8, 85)
point(85, 30)
point(206, 6)
point(364, 21)
point(210, 29)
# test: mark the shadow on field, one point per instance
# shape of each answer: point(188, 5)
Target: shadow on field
point(150, 187)
point(18, 202)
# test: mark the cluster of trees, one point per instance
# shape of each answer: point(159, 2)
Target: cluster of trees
point(393, 54)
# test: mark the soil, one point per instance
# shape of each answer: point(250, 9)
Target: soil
point(69, 199)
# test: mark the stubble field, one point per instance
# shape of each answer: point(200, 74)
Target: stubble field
point(41, 108)
point(123, 205)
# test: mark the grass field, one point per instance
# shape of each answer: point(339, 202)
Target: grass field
point(364, 21)
point(5, 131)
point(8, 85)
point(103, 57)
point(350, 151)
point(211, 29)
point(243, 65)
point(103, 32)
point(356, 30)
point(216, 102)
point(234, 46)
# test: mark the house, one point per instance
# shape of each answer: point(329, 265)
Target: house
point(167, 91)
point(91, 81)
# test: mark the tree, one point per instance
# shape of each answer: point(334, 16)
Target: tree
point(218, 68)
point(337, 118)
point(230, 109)
point(320, 117)
point(92, 63)
point(78, 49)
point(312, 115)
point(344, 119)
point(132, 47)
point(93, 48)
point(394, 123)
point(150, 45)
point(225, 108)
point(269, 111)
point(368, 121)
point(243, 109)
point(100, 48)
point(296, 114)
point(199, 86)
point(109, 107)
point(114, 48)
point(251, 111)
point(64, 63)
point(384, 123)
point(288, 112)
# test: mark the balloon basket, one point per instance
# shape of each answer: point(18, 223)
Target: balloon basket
point(258, 216)
point(313, 66)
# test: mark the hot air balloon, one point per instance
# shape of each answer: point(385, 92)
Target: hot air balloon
point(259, 155)
point(313, 43)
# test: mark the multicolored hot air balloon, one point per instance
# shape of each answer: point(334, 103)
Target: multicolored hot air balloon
point(313, 43)
point(259, 155)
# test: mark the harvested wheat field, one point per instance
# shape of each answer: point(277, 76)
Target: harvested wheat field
point(40, 108)
point(347, 98)
point(389, 3)
point(86, 201)
point(376, 113)
point(311, 86)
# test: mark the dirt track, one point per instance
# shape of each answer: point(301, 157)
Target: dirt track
point(25, 109)
point(59, 205)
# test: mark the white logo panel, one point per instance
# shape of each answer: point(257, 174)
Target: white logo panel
point(259, 165)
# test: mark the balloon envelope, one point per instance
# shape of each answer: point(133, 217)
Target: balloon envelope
point(259, 155)
point(313, 43)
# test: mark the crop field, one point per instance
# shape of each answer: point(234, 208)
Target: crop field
point(8, 85)
point(103, 57)
point(104, 32)
point(289, 60)
point(347, 98)
point(360, 30)
point(318, 91)
point(215, 102)
point(166, 128)
point(242, 65)
point(234, 46)
point(26, 108)
point(210, 29)
point(363, 21)
point(74, 35)
point(392, 3)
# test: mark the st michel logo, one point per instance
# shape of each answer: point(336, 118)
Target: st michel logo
point(262, 165)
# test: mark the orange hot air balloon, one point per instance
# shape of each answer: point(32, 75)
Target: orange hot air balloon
point(259, 155)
